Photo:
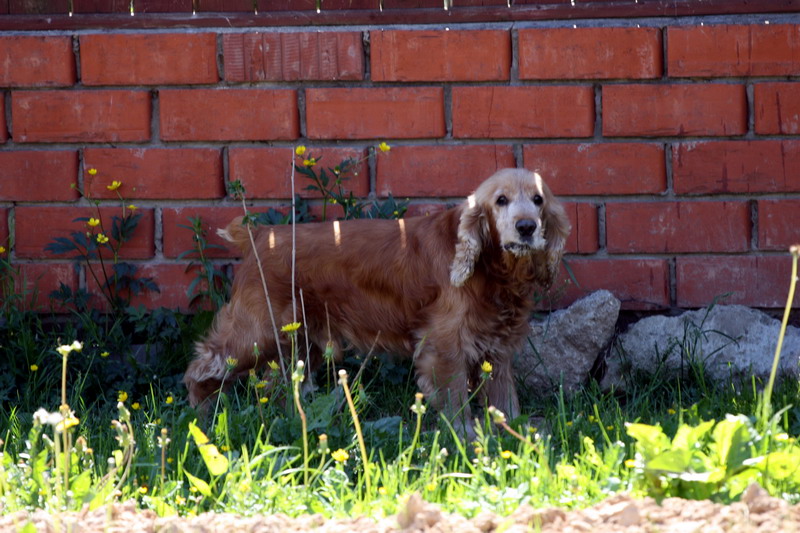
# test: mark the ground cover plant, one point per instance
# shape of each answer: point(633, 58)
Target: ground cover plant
point(92, 411)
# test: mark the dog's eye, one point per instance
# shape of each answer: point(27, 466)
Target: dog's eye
point(537, 200)
point(502, 200)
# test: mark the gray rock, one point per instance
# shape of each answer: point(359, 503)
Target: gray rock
point(726, 342)
point(563, 348)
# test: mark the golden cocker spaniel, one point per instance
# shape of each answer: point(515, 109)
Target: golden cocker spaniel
point(453, 290)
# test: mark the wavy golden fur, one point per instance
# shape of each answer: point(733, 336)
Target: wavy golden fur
point(454, 287)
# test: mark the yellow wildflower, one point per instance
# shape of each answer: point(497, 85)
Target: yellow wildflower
point(505, 454)
point(132, 207)
point(300, 150)
point(93, 222)
point(382, 491)
point(291, 328)
point(67, 423)
point(383, 147)
point(263, 400)
point(114, 185)
point(230, 363)
point(169, 400)
point(180, 500)
point(135, 406)
point(104, 354)
point(340, 455)
point(92, 171)
point(142, 490)
point(671, 411)
point(310, 162)
point(102, 239)
point(2, 249)
point(34, 368)
point(486, 367)
point(273, 365)
point(122, 396)
point(630, 463)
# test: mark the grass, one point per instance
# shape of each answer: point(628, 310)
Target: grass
point(92, 411)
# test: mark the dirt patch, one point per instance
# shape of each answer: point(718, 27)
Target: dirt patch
point(757, 512)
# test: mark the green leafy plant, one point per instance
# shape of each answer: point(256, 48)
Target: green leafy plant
point(92, 247)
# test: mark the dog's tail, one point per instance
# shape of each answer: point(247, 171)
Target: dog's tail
point(236, 233)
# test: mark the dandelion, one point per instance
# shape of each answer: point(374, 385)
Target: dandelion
point(263, 400)
point(92, 171)
point(310, 162)
point(486, 367)
point(630, 463)
point(382, 491)
point(261, 384)
point(136, 406)
point(68, 422)
point(291, 328)
point(272, 365)
point(505, 454)
point(383, 147)
point(104, 354)
point(93, 222)
point(340, 456)
point(609, 427)
point(114, 185)
point(132, 207)
point(300, 150)
point(569, 423)
point(169, 400)
point(65, 349)
point(430, 487)
point(671, 411)
point(142, 490)
point(102, 239)
point(2, 249)
point(230, 363)
point(122, 396)
point(180, 500)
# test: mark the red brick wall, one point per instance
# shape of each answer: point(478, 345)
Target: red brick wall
point(675, 146)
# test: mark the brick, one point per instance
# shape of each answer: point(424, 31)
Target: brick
point(777, 108)
point(228, 114)
point(679, 110)
point(438, 55)
point(38, 176)
point(677, 227)
point(778, 221)
point(148, 59)
point(372, 113)
point(36, 281)
point(266, 172)
point(36, 61)
point(304, 56)
point(37, 226)
point(640, 284)
point(178, 239)
point(439, 170)
point(173, 280)
point(532, 112)
point(755, 281)
point(717, 167)
point(590, 53)
point(80, 116)
point(599, 169)
point(155, 173)
point(733, 50)
point(584, 237)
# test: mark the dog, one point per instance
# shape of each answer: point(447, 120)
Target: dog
point(453, 290)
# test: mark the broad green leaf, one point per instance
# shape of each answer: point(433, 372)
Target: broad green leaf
point(201, 486)
point(688, 437)
point(216, 463)
point(671, 461)
point(732, 442)
point(81, 486)
point(781, 465)
point(650, 440)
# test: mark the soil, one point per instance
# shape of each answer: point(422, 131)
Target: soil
point(756, 512)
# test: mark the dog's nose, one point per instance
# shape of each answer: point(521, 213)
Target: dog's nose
point(525, 227)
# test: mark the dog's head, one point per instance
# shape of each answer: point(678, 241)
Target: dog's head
point(515, 212)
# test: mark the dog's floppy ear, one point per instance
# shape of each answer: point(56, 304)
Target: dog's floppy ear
point(556, 231)
point(473, 231)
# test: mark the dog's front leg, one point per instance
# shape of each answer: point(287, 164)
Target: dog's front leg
point(500, 389)
point(443, 381)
